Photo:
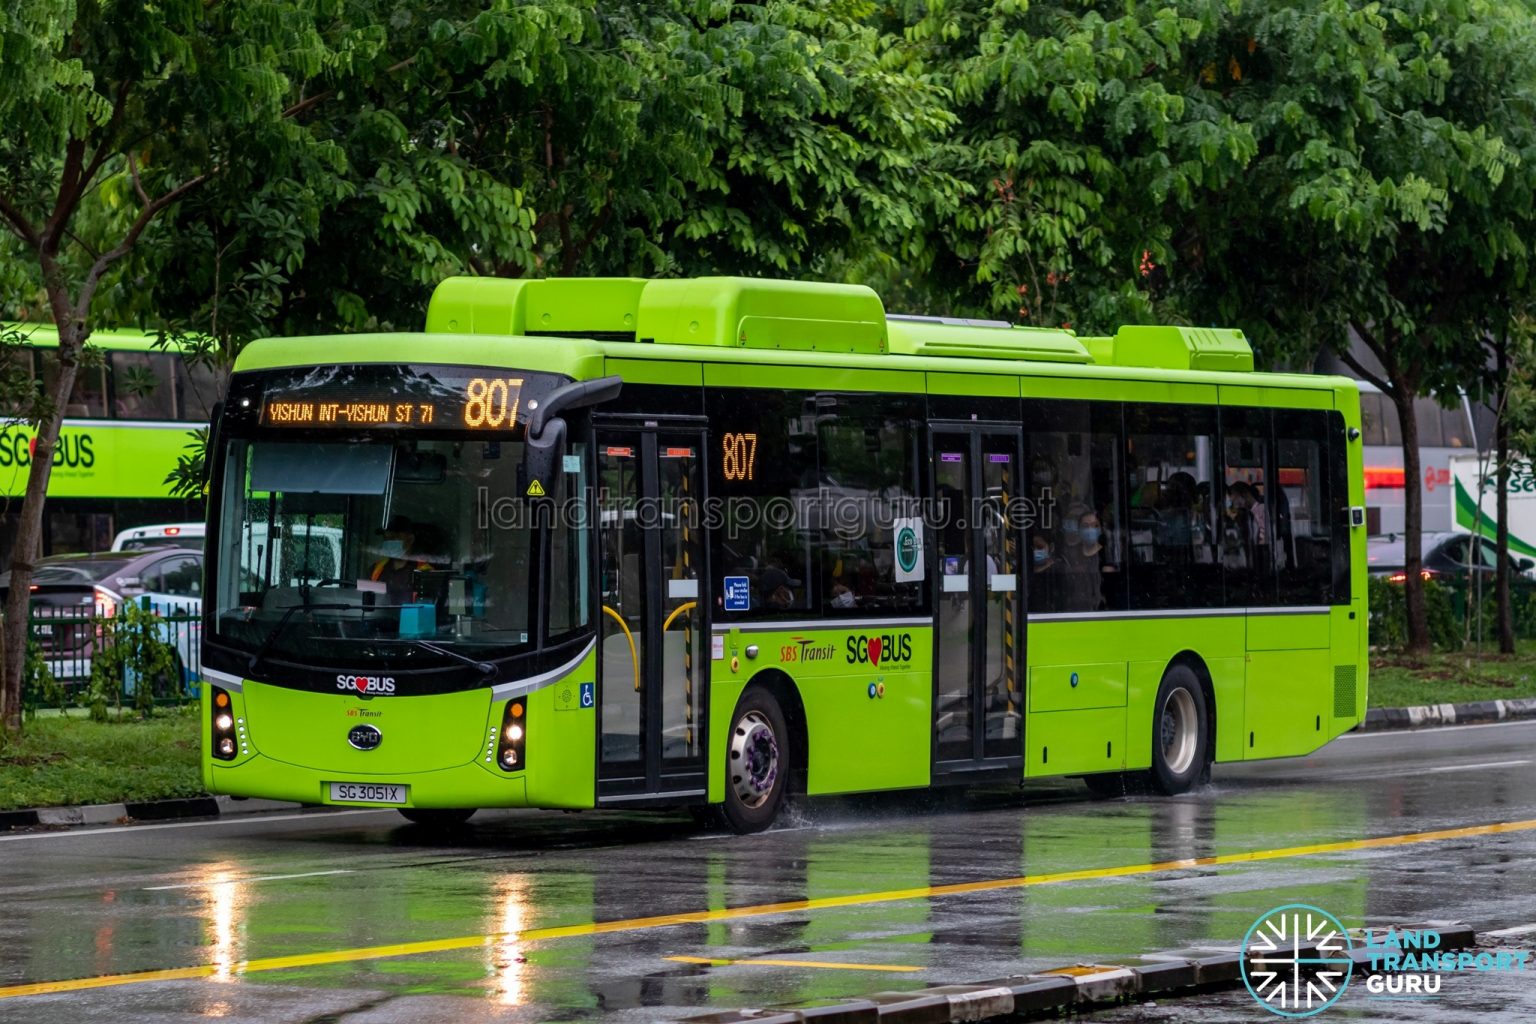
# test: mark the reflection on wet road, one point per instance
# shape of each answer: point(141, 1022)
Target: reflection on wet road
point(575, 917)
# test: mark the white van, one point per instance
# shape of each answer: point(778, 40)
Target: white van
point(165, 535)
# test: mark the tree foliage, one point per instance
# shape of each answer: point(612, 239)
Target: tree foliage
point(1084, 135)
point(1390, 198)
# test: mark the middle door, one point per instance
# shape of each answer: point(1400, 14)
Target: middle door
point(978, 663)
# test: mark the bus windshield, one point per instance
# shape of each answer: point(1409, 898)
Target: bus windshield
point(373, 553)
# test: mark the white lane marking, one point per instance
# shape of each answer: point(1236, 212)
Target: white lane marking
point(242, 881)
point(1475, 767)
point(242, 820)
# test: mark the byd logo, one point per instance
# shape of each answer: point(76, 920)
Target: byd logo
point(375, 685)
point(877, 650)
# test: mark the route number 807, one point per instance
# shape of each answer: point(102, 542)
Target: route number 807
point(738, 459)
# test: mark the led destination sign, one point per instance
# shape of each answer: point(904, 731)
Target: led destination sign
point(476, 403)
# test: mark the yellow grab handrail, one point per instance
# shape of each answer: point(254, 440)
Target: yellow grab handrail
point(634, 656)
point(676, 612)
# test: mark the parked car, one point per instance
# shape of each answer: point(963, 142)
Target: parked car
point(1445, 555)
point(163, 535)
point(69, 592)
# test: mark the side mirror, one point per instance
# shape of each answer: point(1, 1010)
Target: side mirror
point(1526, 564)
point(541, 458)
point(546, 430)
point(212, 444)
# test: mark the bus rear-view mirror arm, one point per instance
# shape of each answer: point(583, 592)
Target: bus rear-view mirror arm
point(546, 430)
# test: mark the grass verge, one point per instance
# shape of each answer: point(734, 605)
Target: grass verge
point(1398, 681)
point(65, 761)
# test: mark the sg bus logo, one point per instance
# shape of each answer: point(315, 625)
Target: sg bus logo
point(879, 650)
point(76, 451)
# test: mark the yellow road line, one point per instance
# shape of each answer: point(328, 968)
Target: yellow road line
point(760, 910)
point(790, 963)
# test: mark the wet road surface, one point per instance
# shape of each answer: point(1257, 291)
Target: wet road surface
point(358, 916)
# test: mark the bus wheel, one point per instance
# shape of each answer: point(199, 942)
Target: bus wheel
point(1179, 740)
point(437, 817)
point(757, 765)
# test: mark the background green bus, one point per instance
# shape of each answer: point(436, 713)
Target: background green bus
point(124, 426)
point(646, 543)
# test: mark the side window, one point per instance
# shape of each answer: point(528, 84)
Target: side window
point(181, 577)
point(568, 550)
point(152, 579)
point(1170, 454)
point(1457, 431)
point(142, 386)
point(1337, 506)
point(763, 471)
point(89, 397)
point(867, 479)
point(1302, 515)
point(1426, 413)
point(1244, 527)
point(1073, 533)
point(1373, 427)
point(197, 389)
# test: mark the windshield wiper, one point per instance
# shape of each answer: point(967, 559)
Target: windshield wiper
point(485, 668)
point(282, 623)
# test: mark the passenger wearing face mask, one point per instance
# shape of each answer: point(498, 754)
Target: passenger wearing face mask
point(1045, 591)
point(1086, 564)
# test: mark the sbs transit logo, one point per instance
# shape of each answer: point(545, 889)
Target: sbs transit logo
point(372, 686)
point(1296, 960)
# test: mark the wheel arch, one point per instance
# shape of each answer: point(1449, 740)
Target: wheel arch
point(1196, 664)
point(783, 690)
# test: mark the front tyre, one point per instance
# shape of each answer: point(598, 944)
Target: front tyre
point(1180, 738)
point(757, 763)
point(437, 817)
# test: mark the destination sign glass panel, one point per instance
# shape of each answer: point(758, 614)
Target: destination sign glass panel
point(393, 398)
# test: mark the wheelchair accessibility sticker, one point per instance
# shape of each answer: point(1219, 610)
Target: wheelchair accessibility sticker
point(570, 696)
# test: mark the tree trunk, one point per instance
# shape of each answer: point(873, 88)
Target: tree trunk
point(1506, 612)
point(1413, 519)
point(29, 529)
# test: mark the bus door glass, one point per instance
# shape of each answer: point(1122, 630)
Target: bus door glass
point(654, 656)
point(978, 691)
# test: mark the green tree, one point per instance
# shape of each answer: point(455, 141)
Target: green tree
point(303, 166)
point(1085, 132)
point(112, 113)
point(1390, 199)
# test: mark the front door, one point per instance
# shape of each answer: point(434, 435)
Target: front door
point(978, 700)
point(654, 661)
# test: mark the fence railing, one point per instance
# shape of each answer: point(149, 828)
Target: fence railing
point(135, 655)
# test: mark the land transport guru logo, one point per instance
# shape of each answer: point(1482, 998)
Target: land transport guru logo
point(1296, 960)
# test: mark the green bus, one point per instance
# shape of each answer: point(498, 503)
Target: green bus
point(629, 543)
point(125, 424)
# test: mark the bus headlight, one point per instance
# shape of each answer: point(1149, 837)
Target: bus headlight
point(225, 744)
point(511, 752)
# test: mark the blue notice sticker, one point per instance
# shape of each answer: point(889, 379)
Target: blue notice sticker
point(738, 594)
point(588, 695)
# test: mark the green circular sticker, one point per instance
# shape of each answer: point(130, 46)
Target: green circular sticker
point(906, 548)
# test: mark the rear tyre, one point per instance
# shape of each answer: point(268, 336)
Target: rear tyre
point(757, 763)
point(437, 817)
point(1180, 740)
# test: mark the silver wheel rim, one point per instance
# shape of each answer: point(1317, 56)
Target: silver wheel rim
point(754, 759)
point(1179, 731)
